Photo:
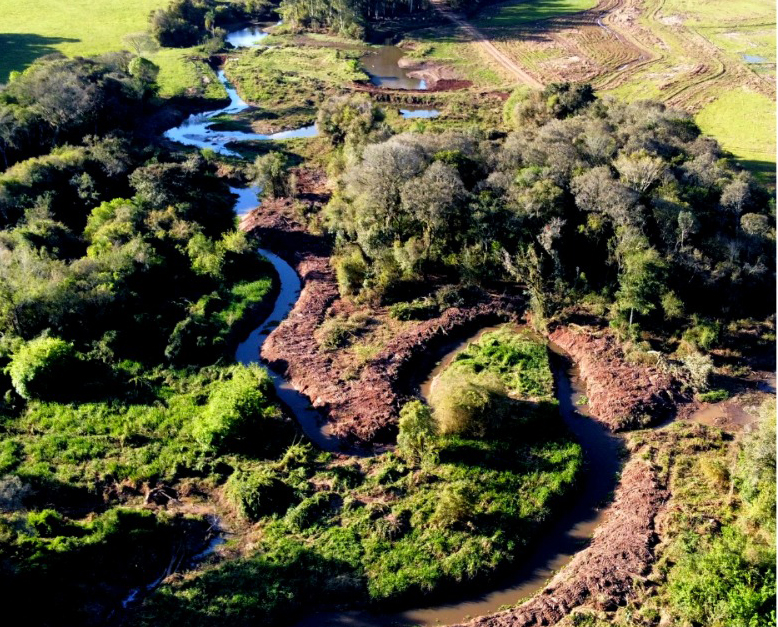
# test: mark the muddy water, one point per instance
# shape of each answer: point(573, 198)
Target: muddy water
point(248, 353)
point(382, 67)
point(564, 537)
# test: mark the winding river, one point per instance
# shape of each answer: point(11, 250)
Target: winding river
point(565, 536)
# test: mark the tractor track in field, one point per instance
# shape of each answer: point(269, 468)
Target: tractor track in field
point(487, 46)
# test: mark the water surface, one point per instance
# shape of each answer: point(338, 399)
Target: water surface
point(382, 67)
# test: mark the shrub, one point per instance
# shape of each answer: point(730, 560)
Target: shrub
point(467, 405)
point(45, 368)
point(417, 430)
point(258, 493)
point(240, 415)
point(698, 368)
point(455, 506)
point(704, 335)
point(351, 271)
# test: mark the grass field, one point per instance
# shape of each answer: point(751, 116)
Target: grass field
point(34, 28)
point(744, 124)
point(715, 59)
point(511, 14)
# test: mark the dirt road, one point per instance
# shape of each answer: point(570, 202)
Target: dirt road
point(508, 64)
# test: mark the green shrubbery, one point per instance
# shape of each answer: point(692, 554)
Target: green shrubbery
point(240, 414)
point(258, 493)
point(502, 380)
point(45, 368)
point(444, 509)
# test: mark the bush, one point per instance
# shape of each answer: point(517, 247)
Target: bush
point(258, 493)
point(455, 506)
point(416, 430)
point(704, 335)
point(240, 415)
point(45, 368)
point(351, 271)
point(468, 405)
point(699, 369)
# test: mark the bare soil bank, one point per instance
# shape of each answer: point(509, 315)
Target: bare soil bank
point(604, 574)
point(621, 395)
point(366, 409)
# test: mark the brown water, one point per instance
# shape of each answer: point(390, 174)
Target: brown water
point(382, 67)
point(559, 542)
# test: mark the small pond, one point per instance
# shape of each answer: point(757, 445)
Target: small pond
point(382, 67)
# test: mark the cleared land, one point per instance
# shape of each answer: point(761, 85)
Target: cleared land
point(715, 59)
point(29, 30)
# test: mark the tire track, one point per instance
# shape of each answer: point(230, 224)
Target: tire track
point(487, 46)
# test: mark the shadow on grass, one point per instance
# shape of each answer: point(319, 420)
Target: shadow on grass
point(763, 171)
point(18, 50)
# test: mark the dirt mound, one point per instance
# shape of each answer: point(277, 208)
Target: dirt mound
point(364, 410)
point(602, 575)
point(622, 395)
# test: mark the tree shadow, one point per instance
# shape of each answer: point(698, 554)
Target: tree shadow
point(764, 171)
point(18, 50)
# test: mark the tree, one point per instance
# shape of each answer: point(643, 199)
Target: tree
point(144, 70)
point(434, 200)
point(687, 224)
point(640, 170)
point(735, 197)
point(270, 173)
point(141, 43)
point(641, 281)
point(417, 430)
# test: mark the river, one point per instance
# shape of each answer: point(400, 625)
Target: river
point(563, 538)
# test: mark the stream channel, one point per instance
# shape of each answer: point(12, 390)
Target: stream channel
point(565, 535)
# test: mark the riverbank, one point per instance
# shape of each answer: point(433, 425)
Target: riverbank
point(364, 409)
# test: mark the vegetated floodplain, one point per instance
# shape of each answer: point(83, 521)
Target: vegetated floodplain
point(511, 14)
point(291, 81)
point(453, 503)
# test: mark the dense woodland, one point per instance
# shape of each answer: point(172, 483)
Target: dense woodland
point(672, 233)
point(125, 285)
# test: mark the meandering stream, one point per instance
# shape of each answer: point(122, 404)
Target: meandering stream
point(561, 540)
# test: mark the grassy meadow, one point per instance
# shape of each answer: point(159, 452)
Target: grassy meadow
point(29, 30)
point(511, 14)
point(744, 124)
